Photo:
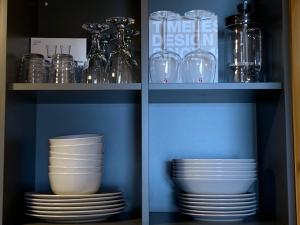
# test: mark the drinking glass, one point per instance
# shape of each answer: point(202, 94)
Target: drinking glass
point(51, 51)
point(33, 69)
point(120, 64)
point(65, 49)
point(62, 69)
point(164, 65)
point(198, 66)
point(95, 67)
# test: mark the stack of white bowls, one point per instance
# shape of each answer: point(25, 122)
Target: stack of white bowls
point(75, 164)
point(208, 185)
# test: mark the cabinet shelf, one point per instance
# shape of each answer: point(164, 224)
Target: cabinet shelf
point(213, 92)
point(80, 93)
point(171, 218)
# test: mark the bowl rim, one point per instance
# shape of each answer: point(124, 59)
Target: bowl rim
point(231, 179)
point(56, 173)
point(92, 143)
point(94, 160)
point(77, 137)
point(63, 153)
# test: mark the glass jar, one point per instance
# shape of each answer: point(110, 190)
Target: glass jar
point(243, 51)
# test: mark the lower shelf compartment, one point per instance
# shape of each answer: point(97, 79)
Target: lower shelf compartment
point(175, 218)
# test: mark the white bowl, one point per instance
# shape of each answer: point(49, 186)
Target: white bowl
point(214, 186)
point(76, 139)
point(212, 169)
point(225, 177)
point(75, 183)
point(212, 172)
point(251, 167)
point(94, 148)
point(61, 162)
point(57, 169)
point(75, 156)
point(214, 160)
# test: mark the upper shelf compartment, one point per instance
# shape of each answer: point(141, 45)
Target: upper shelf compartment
point(80, 93)
point(213, 92)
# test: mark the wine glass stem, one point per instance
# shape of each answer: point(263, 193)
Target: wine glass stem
point(198, 31)
point(164, 31)
point(121, 37)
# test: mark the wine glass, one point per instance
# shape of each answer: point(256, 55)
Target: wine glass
point(94, 71)
point(198, 66)
point(164, 64)
point(120, 64)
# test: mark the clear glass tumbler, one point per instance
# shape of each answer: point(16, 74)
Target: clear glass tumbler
point(62, 69)
point(33, 69)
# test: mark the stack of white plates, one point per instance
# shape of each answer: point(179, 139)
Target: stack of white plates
point(218, 208)
point(76, 164)
point(73, 208)
point(215, 183)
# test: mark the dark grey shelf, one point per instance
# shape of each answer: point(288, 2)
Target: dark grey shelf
point(159, 218)
point(78, 93)
point(213, 92)
point(74, 87)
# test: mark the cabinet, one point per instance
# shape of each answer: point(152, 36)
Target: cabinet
point(145, 125)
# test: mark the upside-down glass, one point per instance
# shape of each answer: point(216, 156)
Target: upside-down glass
point(164, 65)
point(198, 66)
point(33, 69)
point(94, 71)
point(62, 69)
point(120, 64)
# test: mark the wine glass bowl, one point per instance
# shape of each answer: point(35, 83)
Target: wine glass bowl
point(164, 65)
point(198, 66)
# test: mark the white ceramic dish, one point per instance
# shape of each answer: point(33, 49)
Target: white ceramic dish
point(220, 200)
point(74, 219)
point(212, 169)
point(54, 169)
point(214, 160)
point(85, 209)
point(214, 186)
point(218, 208)
point(219, 164)
point(75, 183)
point(219, 217)
point(75, 204)
point(46, 196)
point(218, 212)
point(75, 213)
point(94, 148)
point(207, 172)
point(218, 204)
point(76, 156)
point(247, 195)
point(62, 162)
point(76, 139)
point(224, 177)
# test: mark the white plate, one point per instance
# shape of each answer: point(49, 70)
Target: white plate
point(210, 168)
point(247, 195)
point(75, 213)
point(79, 200)
point(74, 208)
point(220, 217)
point(223, 177)
point(218, 208)
point(214, 160)
point(218, 204)
point(52, 196)
point(208, 212)
point(218, 199)
point(216, 164)
point(75, 204)
point(216, 172)
point(73, 219)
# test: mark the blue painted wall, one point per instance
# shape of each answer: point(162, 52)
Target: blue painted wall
point(222, 130)
point(120, 124)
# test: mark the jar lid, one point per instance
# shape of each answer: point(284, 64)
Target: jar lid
point(244, 16)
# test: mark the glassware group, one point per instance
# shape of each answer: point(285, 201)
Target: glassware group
point(110, 59)
point(198, 66)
